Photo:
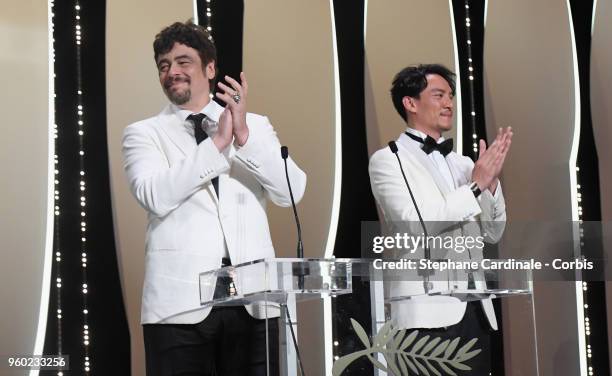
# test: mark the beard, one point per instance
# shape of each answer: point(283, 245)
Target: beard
point(177, 97)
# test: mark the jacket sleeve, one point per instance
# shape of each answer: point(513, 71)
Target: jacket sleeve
point(437, 210)
point(492, 219)
point(159, 187)
point(493, 216)
point(261, 155)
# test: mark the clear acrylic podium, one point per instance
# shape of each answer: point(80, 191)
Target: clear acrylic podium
point(268, 286)
point(275, 280)
point(491, 279)
point(271, 286)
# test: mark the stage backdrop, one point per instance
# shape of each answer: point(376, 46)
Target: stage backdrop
point(601, 92)
point(530, 85)
point(401, 33)
point(24, 152)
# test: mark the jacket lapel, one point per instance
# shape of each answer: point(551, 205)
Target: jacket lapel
point(174, 128)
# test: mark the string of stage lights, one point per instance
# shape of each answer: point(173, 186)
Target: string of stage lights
point(585, 307)
point(470, 75)
point(86, 334)
point(56, 206)
point(82, 188)
point(208, 18)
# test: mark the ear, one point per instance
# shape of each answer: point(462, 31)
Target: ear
point(210, 70)
point(410, 104)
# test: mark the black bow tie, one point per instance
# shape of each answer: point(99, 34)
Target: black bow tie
point(429, 144)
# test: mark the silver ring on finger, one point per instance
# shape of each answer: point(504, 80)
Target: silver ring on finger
point(236, 97)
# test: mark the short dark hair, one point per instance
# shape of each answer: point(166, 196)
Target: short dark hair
point(191, 35)
point(412, 80)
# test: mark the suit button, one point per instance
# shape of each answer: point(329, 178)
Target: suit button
point(202, 176)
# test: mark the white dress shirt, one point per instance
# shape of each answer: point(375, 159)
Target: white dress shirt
point(436, 157)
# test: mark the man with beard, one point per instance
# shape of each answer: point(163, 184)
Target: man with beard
point(454, 197)
point(203, 173)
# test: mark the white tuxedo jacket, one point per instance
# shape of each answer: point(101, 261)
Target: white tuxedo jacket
point(188, 226)
point(447, 211)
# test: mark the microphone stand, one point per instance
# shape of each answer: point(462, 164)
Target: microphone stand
point(295, 344)
point(300, 271)
point(425, 273)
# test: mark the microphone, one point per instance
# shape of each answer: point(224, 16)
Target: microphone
point(426, 272)
point(300, 245)
point(393, 148)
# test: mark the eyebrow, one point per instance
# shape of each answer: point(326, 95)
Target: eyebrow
point(166, 60)
point(183, 57)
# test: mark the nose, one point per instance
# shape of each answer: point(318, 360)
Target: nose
point(174, 69)
point(449, 103)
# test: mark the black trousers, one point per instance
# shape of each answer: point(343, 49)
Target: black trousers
point(473, 325)
point(228, 342)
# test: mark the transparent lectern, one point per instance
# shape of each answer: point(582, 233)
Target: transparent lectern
point(402, 285)
point(271, 287)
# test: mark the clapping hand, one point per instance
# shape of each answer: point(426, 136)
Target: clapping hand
point(235, 98)
point(491, 160)
point(223, 137)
